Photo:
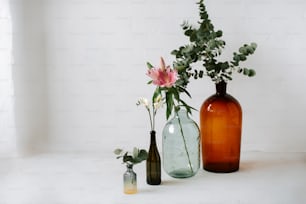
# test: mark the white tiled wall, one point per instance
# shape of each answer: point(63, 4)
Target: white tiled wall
point(95, 53)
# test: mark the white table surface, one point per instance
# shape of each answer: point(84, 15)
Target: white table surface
point(61, 178)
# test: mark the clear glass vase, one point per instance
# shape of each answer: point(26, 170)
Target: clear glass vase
point(130, 180)
point(181, 146)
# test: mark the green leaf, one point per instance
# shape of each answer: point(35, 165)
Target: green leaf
point(128, 158)
point(149, 65)
point(193, 37)
point(170, 104)
point(118, 151)
point(245, 71)
point(236, 58)
point(175, 94)
point(143, 155)
point(251, 73)
point(242, 57)
point(219, 34)
point(188, 32)
point(243, 50)
point(235, 63)
point(174, 52)
point(224, 66)
point(201, 73)
point(135, 152)
point(254, 45)
point(187, 107)
point(182, 89)
point(156, 93)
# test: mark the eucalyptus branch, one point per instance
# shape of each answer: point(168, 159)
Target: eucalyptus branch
point(205, 46)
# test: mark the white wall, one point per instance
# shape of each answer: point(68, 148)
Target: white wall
point(95, 64)
point(97, 53)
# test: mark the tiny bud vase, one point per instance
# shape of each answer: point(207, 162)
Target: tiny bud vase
point(153, 162)
point(181, 146)
point(130, 180)
point(220, 124)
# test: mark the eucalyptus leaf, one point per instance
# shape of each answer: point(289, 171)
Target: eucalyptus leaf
point(243, 50)
point(135, 152)
point(118, 151)
point(254, 45)
point(242, 57)
point(219, 33)
point(246, 71)
point(143, 155)
point(251, 73)
point(188, 32)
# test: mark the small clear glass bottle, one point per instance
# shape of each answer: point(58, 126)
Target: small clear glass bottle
point(181, 146)
point(130, 180)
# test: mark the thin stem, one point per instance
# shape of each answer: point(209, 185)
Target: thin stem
point(151, 123)
point(181, 129)
point(154, 113)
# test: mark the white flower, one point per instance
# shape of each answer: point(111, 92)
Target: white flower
point(152, 108)
point(143, 101)
point(158, 102)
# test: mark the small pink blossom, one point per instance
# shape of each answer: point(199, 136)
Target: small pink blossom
point(163, 76)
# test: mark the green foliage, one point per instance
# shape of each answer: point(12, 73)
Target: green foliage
point(137, 156)
point(206, 46)
point(174, 101)
point(149, 65)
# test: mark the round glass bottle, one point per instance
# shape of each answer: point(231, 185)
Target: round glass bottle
point(181, 146)
point(221, 122)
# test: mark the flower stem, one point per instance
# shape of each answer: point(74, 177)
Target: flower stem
point(154, 113)
point(150, 116)
point(181, 129)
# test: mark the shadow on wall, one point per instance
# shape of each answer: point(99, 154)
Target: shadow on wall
point(28, 73)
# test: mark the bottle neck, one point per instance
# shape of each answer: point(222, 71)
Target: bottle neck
point(129, 167)
point(221, 88)
point(181, 113)
point(153, 137)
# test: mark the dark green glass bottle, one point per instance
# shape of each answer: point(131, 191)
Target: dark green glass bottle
point(153, 162)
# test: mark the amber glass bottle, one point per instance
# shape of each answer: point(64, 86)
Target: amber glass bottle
point(220, 124)
point(153, 162)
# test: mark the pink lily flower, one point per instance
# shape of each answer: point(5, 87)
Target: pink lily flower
point(163, 76)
